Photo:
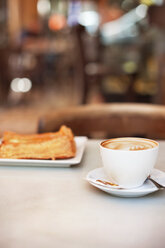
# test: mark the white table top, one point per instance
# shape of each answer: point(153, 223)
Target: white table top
point(56, 207)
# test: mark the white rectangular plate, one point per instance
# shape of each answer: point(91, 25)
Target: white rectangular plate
point(80, 146)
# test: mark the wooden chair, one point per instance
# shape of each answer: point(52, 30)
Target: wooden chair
point(109, 120)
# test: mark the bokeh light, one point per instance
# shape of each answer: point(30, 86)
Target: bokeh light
point(57, 22)
point(43, 7)
point(21, 85)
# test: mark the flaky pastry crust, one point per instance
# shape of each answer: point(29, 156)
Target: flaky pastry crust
point(57, 145)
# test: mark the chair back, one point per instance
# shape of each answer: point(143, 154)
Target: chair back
point(109, 120)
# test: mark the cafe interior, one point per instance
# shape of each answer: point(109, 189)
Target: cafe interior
point(98, 68)
point(58, 54)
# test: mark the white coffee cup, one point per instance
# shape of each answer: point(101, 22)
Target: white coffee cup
point(128, 165)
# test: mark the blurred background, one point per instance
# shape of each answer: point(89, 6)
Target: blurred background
point(58, 53)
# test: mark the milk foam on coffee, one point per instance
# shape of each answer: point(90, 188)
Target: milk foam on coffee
point(129, 144)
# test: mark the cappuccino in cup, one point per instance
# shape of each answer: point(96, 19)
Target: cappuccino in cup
point(128, 161)
point(129, 144)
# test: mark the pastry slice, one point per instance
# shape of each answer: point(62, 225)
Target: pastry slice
point(57, 145)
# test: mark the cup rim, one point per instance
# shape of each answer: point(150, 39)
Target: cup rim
point(113, 150)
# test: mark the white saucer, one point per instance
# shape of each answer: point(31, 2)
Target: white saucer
point(147, 188)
